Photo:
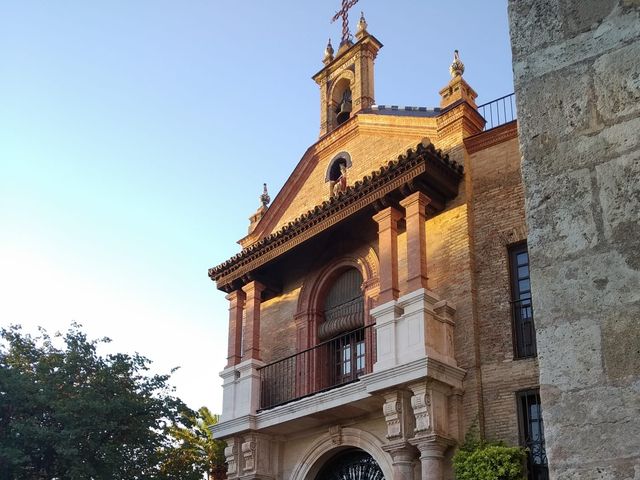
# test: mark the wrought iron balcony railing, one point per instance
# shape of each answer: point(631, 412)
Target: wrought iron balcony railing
point(499, 111)
point(330, 364)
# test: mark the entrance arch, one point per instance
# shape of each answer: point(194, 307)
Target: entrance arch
point(351, 464)
point(330, 445)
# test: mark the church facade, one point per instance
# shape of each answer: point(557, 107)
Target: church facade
point(380, 308)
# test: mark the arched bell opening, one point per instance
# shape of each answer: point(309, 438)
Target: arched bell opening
point(344, 108)
point(350, 464)
point(341, 101)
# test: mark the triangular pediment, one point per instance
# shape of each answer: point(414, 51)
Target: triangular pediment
point(369, 140)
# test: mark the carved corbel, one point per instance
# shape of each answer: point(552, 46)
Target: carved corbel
point(249, 455)
point(231, 457)
point(421, 405)
point(397, 414)
point(258, 452)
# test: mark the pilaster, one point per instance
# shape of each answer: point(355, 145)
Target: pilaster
point(251, 334)
point(386, 317)
point(426, 328)
point(241, 389)
point(236, 305)
point(387, 220)
point(415, 207)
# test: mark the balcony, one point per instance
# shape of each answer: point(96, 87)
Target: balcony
point(328, 365)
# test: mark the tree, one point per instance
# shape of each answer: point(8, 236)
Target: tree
point(71, 413)
point(197, 450)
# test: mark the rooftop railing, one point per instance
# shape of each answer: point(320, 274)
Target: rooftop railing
point(499, 111)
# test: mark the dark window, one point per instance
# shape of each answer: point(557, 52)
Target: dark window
point(532, 434)
point(524, 334)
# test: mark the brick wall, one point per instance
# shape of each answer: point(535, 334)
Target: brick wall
point(497, 207)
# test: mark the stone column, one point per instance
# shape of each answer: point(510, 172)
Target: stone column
point(387, 220)
point(402, 456)
point(415, 205)
point(431, 456)
point(236, 305)
point(251, 334)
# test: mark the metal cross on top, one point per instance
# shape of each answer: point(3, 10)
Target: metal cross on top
point(344, 13)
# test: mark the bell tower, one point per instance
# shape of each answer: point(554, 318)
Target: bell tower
point(346, 81)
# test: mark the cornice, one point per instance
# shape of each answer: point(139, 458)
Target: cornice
point(491, 137)
point(363, 193)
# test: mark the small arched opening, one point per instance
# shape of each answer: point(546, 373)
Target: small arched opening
point(337, 173)
point(341, 100)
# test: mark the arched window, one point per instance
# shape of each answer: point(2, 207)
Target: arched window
point(342, 329)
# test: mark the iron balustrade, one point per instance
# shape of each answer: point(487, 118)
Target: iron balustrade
point(499, 111)
point(524, 328)
point(328, 365)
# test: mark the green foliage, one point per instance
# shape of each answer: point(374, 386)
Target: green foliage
point(478, 460)
point(196, 450)
point(71, 413)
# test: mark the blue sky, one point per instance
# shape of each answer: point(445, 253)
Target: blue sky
point(135, 138)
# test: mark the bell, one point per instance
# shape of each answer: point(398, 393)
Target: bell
point(344, 112)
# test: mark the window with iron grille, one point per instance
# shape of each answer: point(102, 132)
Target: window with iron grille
point(524, 334)
point(532, 434)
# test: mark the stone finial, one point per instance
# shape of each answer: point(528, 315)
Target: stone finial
point(265, 198)
point(362, 27)
point(328, 53)
point(457, 67)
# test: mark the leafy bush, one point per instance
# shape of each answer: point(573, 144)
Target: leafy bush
point(478, 460)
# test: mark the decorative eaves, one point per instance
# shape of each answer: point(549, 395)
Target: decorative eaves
point(413, 163)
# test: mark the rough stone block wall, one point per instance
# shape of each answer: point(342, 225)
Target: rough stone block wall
point(577, 77)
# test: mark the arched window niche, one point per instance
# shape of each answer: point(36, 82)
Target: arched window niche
point(336, 173)
point(333, 320)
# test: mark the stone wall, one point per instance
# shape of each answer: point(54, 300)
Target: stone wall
point(577, 75)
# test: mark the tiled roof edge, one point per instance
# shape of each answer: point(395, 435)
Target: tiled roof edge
point(335, 203)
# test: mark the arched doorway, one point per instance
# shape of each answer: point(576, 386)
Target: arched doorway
point(352, 464)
